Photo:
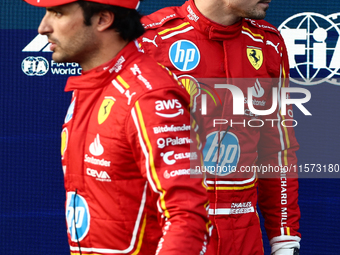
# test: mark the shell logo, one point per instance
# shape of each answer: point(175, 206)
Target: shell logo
point(64, 141)
point(193, 88)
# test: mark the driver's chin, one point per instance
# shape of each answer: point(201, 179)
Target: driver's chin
point(58, 58)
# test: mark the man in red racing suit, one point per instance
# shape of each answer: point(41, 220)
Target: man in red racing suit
point(126, 144)
point(251, 56)
point(125, 149)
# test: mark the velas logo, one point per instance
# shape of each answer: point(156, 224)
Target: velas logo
point(313, 44)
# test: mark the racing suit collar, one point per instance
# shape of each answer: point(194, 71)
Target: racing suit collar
point(97, 77)
point(213, 30)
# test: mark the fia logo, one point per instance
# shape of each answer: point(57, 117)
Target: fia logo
point(35, 66)
point(184, 55)
point(313, 45)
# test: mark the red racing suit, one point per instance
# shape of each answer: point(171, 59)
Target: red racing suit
point(126, 160)
point(251, 56)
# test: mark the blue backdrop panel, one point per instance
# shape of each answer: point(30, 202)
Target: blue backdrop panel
point(33, 106)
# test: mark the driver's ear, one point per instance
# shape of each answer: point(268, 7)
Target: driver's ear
point(104, 20)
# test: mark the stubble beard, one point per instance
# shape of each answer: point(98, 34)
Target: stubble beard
point(78, 49)
point(257, 13)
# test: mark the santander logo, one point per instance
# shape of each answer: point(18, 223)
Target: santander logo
point(258, 91)
point(96, 149)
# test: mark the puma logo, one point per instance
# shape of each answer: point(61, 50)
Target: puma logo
point(272, 44)
point(150, 41)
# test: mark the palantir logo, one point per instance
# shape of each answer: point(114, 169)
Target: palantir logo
point(184, 55)
point(77, 216)
point(313, 43)
point(35, 66)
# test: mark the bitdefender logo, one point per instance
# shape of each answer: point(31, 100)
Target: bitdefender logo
point(39, 65)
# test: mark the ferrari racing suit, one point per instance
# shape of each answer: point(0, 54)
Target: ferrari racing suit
point(126, 160)
point(248, 62)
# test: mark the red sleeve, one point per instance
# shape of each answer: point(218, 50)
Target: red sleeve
point(278, 194)
point(159, 129)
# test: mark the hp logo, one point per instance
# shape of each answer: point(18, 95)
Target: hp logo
point(184, 55)
point(313, 46)
point(228, 154)
point(77, 216)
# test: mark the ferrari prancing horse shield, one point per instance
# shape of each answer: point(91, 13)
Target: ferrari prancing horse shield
point(255, 56)
point(105, 109)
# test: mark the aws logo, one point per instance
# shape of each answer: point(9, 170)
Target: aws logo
point(168, 105)
point(255, 56)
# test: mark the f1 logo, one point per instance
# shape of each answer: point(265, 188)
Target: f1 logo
point(184, 55)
